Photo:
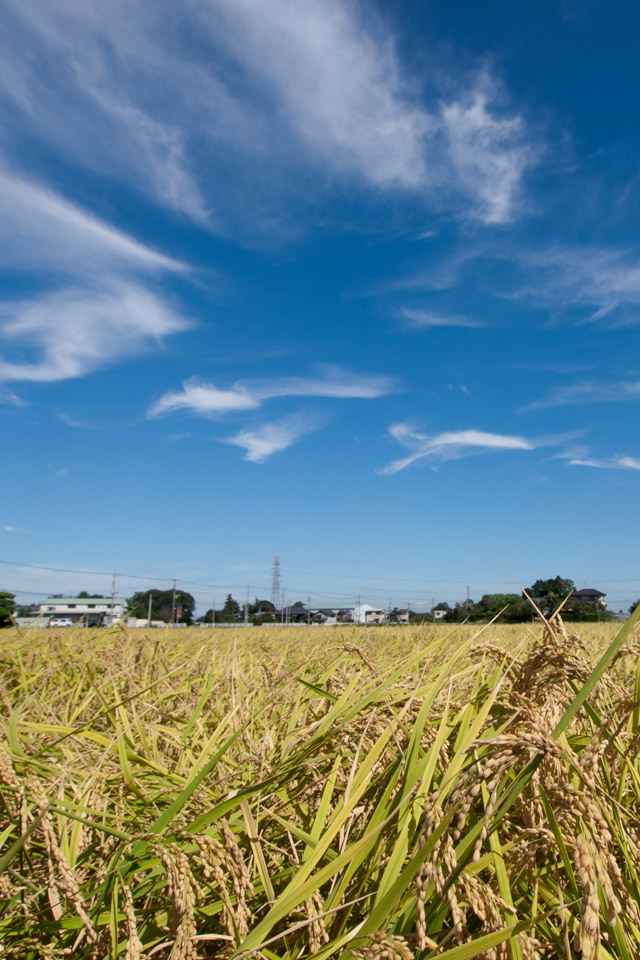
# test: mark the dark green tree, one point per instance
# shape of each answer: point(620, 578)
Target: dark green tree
point(27, 611)
point(549, 594)
point(162, 605)
point(262, 611)
point(7, 607)
point(83, 595)
point(515, 608)
point(575, 612)
point(230, 610)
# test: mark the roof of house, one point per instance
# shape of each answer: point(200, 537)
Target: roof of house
point(588, 592)
point(90, 601)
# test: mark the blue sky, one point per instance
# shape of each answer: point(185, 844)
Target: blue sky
point(354, 284)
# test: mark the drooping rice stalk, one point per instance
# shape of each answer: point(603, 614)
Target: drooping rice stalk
point(372, 793)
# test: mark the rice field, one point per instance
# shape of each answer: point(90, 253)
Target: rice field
point(365, 793)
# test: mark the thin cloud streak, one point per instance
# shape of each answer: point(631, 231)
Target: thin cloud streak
point(41, 228)
point(418, 319)
point(583, 393)
point(616, 462)
point(269, 438)
point(20, 530)
point(448, 446)
point(207, 400)
point(587, 283)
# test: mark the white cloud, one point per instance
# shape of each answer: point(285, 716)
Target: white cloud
point(590, 282)
point(316, 82)
point(57, 472)
point(86, 78)
point(41, 230)
point(270, 438)
point(448, 446)
point(489, 154)
point(616, 462)
point(348, 103)
point(422, 319)
point(10, 529)
point(94, 311)
point(351, 105)
point(204, 399)
point(75, 331)
point(12, 399)
point(588, 392)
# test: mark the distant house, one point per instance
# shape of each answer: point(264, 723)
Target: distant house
point(589, 596)
point(293, 614)
point(90, 611)
point(400, 615)
point(325, 616)
point(375, 616)
point(439, 614)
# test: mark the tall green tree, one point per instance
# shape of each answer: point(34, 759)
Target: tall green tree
point(549, 594)
point(162, 605)
point(7, 607)
point(230, 610)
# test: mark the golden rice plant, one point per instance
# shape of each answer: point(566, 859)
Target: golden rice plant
point(350, 793)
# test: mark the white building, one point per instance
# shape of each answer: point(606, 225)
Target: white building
point(374, 616)
point(86, 611)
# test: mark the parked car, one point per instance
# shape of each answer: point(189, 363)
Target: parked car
point(60, 622)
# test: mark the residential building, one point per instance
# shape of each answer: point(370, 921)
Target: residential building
point(375, 616)
point(85, 611)
point(589, 596)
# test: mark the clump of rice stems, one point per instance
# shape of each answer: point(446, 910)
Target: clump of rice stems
point(384, 946)
point(253, 796)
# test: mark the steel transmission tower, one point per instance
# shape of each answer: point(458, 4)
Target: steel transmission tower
point(276, 587)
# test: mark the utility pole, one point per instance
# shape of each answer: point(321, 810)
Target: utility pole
point(308, 609)
point(213, 613)
point(113, 596)
point(173, 603)
point(149, 610)
point(246, 610)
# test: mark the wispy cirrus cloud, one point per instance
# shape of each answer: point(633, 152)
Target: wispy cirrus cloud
point(451, 445)
point(93, 305)
point(20, 530)
point(489, 152)
point(617, 462)
point(75, 330)
point(41, 228)
point(11, 399)
point(263, 441)
point(587, 392)
point(582, 283)
point(207, 400)
point(227, 100)
point(418, 319)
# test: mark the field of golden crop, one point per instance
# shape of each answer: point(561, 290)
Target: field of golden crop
point(374, 793)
